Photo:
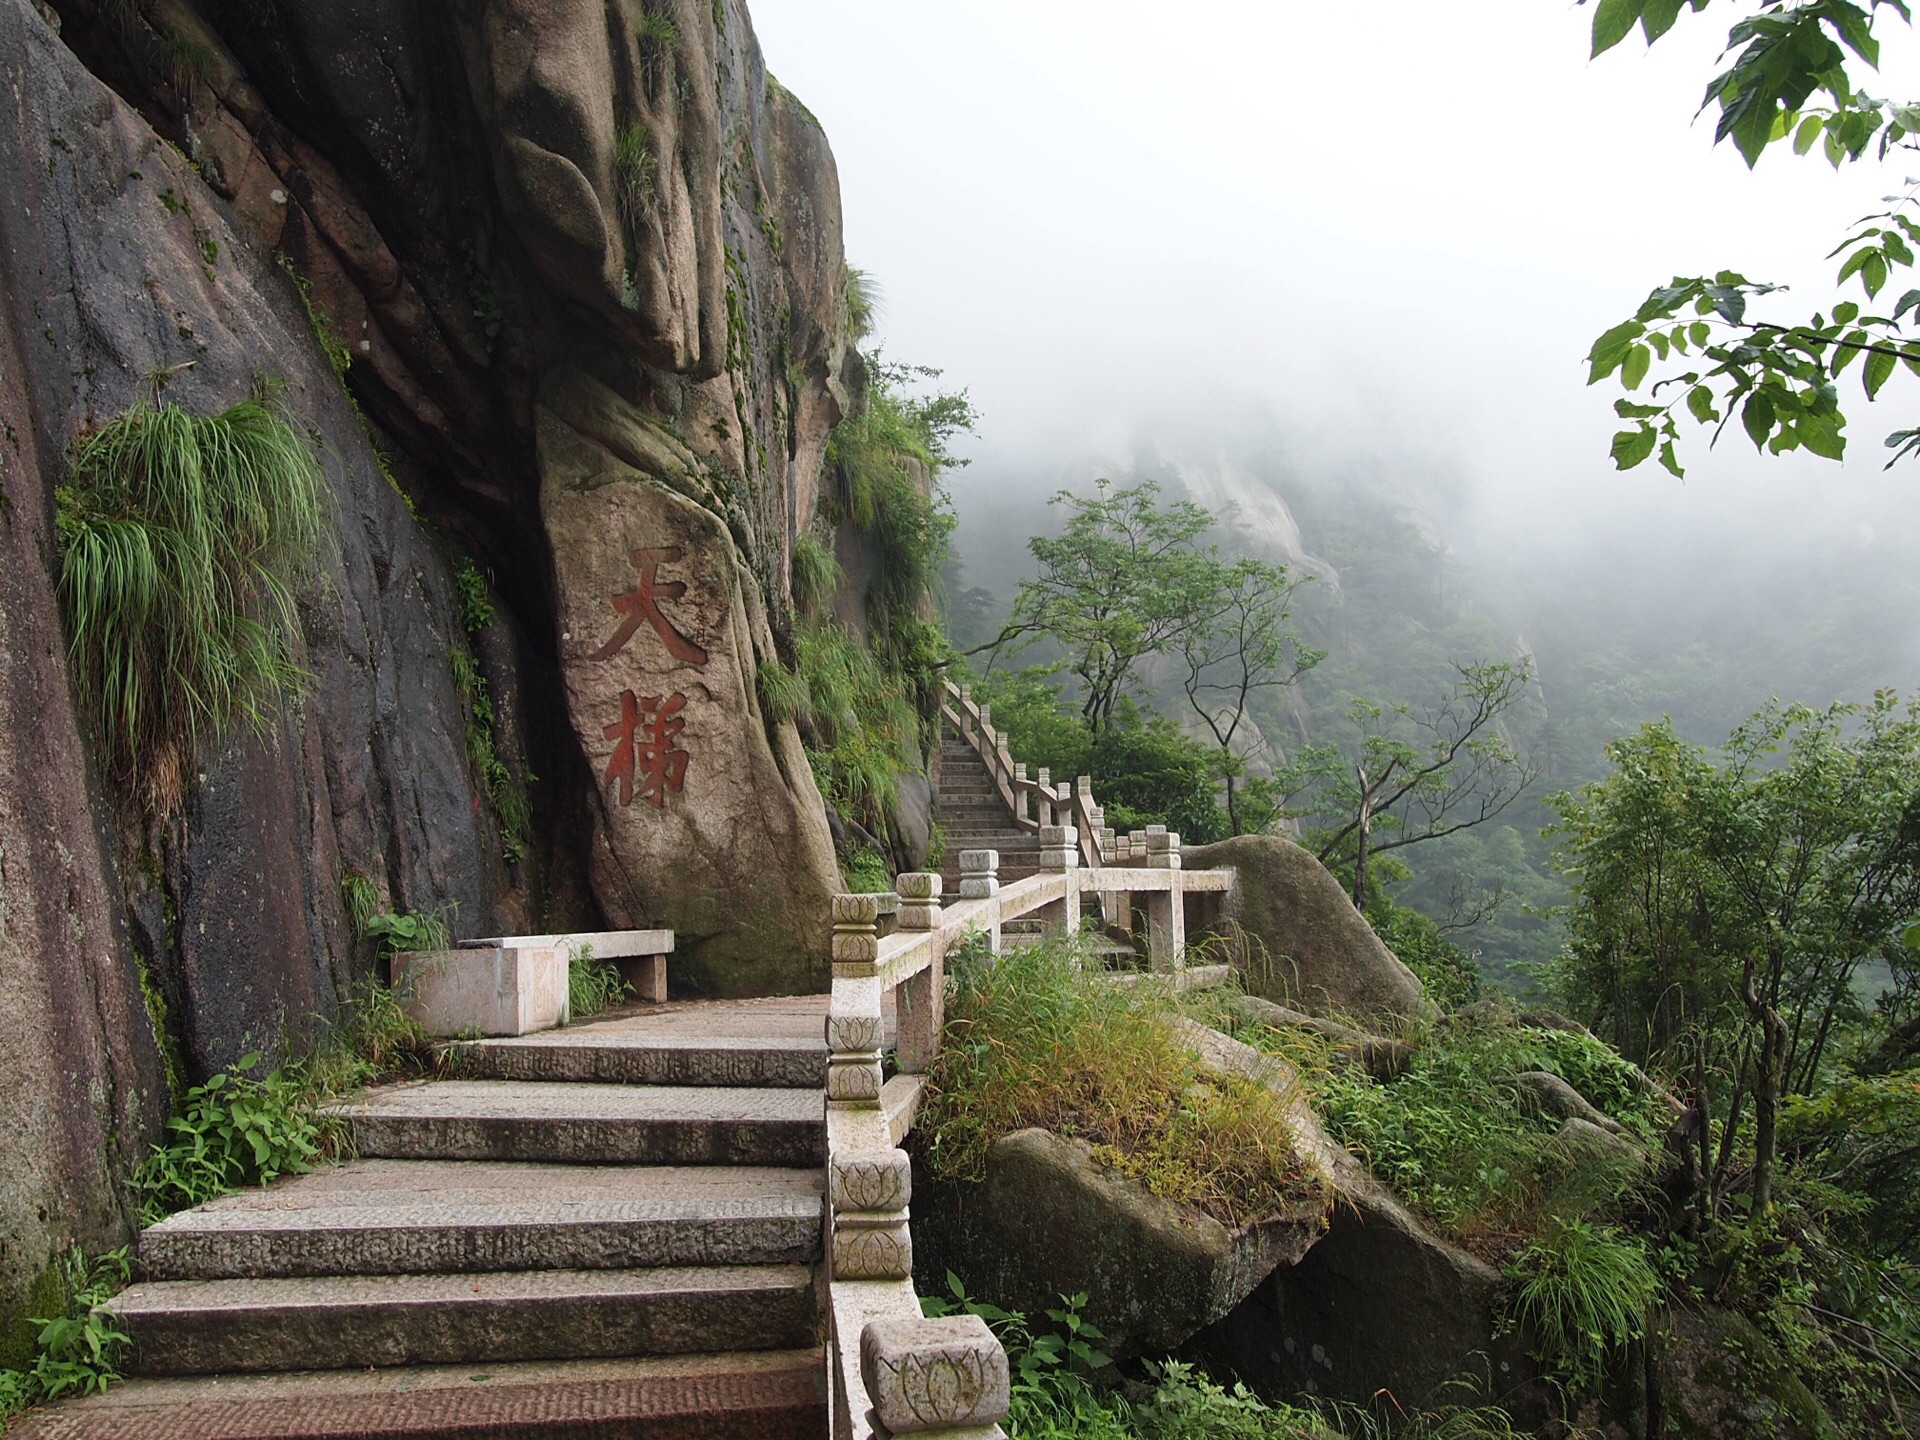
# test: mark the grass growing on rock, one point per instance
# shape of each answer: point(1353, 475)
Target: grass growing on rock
point(1035, 1041)
point(182, 539)
point(1451, 1137)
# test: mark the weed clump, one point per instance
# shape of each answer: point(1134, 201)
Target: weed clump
point(1035, 1041)
point(181, 541)
point(77, 1350)
point(593, 985)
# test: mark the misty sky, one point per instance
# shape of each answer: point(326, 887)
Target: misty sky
point(1385, 232)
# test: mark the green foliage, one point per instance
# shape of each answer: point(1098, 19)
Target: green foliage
point(1145, 771)
point(1583, 1291)
point(409, 930)
point(865, 872)
point(1059, 1391)
point(593, 985)
point(232, 1132)
point(887, 459)
point(1035, 1041)
point(863, 302)
point(181, 541)
point(504, 791)
point(1406, 775)
point(783, 694)
point(634, 168)
point(321, 323)
point(1780, 378)
point(1124, 580)
point(861, 732)
point(1723, 906)
point(816, 575)
point(1451, 1138)
point(78, 1350)
point(1446, 971)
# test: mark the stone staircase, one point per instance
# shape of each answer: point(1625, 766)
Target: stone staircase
point(608, 1230)
point(974, 817)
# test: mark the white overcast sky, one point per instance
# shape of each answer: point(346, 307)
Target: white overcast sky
point(1389, 230)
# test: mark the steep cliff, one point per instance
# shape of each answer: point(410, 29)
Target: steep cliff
point(557, 290)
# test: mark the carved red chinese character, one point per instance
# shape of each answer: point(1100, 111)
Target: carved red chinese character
point(642, 603)
point(646, 750)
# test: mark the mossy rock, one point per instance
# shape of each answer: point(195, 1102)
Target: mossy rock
point(1721, 1379)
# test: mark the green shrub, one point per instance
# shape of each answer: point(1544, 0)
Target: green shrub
point(1448, 973)
point(232, 1132)
point(865, 872)
point(593, 985)
point(78, 1350)
point(1035, 1041)
point(409, 930)
point(1451, 1138)
point(181, 541)
point(1583, 1291)
point(634, 167)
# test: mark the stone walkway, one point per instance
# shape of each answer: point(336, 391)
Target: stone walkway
point(609, 1230)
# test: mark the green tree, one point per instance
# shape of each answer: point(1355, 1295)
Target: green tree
point(1124, 580)
point(1409, 775)
point(1238, 649)
point(1792, 77)
point(1723, 908)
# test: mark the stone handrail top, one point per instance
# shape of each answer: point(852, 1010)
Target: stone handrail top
point(606, 944)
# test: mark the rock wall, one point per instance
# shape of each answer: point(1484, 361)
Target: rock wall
point(580, 268)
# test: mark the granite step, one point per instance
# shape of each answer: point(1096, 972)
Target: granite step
point(767, 1395)
point(399, 1217)
point(588, 1124)
point(673, 1045)
point(335, 1322)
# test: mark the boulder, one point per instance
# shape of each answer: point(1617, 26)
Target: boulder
point(1049, 1220)
point(708, 821)
point(1544, 1093)
point(1301, 941)
point(1379, 1304)
point(1379, 1056)
point(1721, 1379)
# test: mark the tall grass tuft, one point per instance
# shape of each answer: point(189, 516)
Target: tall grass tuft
point(816, 575)
point(181, 541)
point(1035, 1041)
point(1583, 1291)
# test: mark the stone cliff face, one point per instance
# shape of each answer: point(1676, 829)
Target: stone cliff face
point(582, 265)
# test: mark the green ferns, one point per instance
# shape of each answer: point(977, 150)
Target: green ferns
point(181, 541)
point(504, 792)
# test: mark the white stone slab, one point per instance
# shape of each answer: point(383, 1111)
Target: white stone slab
point(501, 990)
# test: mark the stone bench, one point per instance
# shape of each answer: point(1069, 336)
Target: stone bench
point(640, 955)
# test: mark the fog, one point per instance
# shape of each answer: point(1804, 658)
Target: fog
point(1369, 243)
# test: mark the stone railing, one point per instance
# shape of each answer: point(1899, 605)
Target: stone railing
point(1038, 803)
point(890, 1371)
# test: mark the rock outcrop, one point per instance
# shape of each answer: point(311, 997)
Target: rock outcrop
point(1301, 941)
point(580, 267)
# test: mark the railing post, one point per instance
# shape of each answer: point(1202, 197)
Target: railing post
point(869, 1192)
point(854, 1033)
point(1166, 911)
point(949, 1375)
point(1060, 850)
point(980, 880)
point(1043, 810)
point(918, 1002)
point(1019, 795)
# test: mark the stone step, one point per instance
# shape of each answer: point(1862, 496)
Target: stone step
point(400, 1217)
point(584, 1123)
point(765, 1395)
point(199, 1327)
point(683, 1045)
